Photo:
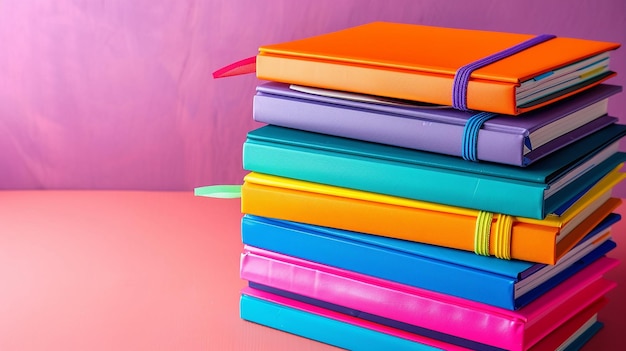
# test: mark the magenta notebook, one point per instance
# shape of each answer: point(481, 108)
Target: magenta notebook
point(448, 318)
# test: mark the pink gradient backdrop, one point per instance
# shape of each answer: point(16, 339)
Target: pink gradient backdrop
point(118, 94)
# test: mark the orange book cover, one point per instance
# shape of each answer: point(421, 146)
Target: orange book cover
point(542, 241)
point(416, 62)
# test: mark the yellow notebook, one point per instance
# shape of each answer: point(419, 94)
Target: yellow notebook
point(543, 241)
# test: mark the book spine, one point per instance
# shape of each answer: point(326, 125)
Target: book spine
point(370, 295)
point(482, 95)
point(498, 97)
point(330, 327)
point(529, 242)
point(397, 130)
point(453, 188)
point(425, 273)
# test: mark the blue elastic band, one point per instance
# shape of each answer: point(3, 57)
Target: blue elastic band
point(461, 78)
point(469, 145)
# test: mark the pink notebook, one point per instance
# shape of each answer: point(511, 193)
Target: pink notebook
point(511, 330)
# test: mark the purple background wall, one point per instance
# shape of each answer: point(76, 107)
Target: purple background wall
point(118, 94)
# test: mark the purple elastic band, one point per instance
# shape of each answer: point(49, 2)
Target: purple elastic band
point(461, 78)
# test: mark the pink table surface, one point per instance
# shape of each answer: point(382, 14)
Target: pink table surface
point(131, 270)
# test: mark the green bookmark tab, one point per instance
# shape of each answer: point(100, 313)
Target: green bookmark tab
point(219, 191)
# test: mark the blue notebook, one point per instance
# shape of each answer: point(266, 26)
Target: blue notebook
point(509, 284)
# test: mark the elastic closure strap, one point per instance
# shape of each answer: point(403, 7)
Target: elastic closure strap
point(504, 227)
point(482, 232)
point(461, 78)
point(469, 143)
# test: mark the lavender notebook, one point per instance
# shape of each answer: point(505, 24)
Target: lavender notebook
point(518, 141)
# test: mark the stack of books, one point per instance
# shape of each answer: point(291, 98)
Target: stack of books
point(431, 188)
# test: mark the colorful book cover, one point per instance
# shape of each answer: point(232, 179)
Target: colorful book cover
point(351, 60)
point(509, 284)
point(537, 190)
point(543, 241)
point(438, 316)
point(502, 139)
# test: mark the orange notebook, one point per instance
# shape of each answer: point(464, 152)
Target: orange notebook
point(534, 240)
point(416, 62)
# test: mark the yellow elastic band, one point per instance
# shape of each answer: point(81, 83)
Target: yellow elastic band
point(504, 228)
point(482, 231)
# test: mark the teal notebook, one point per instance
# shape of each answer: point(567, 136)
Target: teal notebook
point(532, 192)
